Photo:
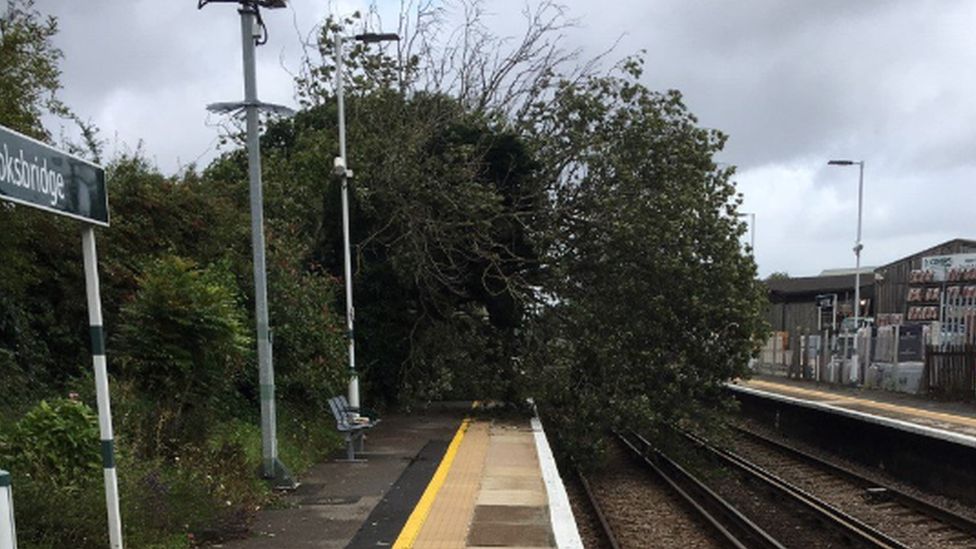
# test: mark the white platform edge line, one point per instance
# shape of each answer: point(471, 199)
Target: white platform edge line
point(914, 428)
point(561, 517)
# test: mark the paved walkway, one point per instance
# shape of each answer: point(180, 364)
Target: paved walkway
point(336, 498)
point(493, 494)
point(437, 481)
point(955, 417)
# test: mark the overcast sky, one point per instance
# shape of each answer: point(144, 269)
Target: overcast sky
point(793, 84)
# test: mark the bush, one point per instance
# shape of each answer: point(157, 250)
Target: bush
point(183, 336)
point(52, 453)
point(309, 339)
point(56, 442)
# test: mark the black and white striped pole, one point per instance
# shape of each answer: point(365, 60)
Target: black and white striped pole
point(101, 386)
point(8, 533)
point(63, 184)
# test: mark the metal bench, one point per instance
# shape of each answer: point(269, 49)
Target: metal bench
point(354, 431)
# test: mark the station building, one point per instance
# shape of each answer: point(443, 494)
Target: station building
point(902, 286)
point(914, 289)
point(922, 307)
point(807, 304)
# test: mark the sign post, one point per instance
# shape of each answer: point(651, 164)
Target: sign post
point(8, 534)
point(826, 301)
point(37, 175)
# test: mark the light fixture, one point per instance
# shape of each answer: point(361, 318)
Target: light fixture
point(270, 4)
point(372, 37)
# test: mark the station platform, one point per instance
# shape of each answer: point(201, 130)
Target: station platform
point(450, 479)
point(952, 421)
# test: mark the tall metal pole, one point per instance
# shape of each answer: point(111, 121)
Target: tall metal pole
point(347, 252)
point(857, 272)
point(90, 257)
point(752, 242)
point(269, 439)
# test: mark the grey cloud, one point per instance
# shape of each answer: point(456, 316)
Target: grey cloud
point(792, 83)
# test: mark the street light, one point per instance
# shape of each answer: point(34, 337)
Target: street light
point(752, 230)
point(857, 252)
point(253, 33)
point(342, 170)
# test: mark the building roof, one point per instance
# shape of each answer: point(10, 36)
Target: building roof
point(816, 284)
point(845, 271)
point(929, 250)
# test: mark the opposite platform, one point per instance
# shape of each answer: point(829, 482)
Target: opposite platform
point(951, 421)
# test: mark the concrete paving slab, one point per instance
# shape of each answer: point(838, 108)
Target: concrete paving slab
point(512, 483)
point(511, 514)
point(335, 498)
point(512, 497)
point(507, 535)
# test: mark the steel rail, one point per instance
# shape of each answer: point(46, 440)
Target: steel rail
point(853, 528)
point(604, 523)
point(733, 526)
point(959, 522)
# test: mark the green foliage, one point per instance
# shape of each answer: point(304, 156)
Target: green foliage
point(42, 303)
point(30, 75)
point(654, 306)
point(309, 347)
point(49, 517)
point(182, 338)
point(518, 230)
point(55, 442)
point(440, 207)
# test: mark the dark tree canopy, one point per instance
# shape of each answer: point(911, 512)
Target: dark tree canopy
point(523, 226)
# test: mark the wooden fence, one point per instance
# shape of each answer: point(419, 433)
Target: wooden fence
point(950, 371)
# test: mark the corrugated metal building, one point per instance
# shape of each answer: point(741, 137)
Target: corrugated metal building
point(792, 301)
point(893, 279)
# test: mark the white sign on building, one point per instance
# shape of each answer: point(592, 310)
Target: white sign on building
point(940, 265)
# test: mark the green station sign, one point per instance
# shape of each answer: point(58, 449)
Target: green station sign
point(40, 176)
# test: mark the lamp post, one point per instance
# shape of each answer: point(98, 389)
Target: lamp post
point(752, 230)
point(857, 254)
point(343, 172)
point(253, 33)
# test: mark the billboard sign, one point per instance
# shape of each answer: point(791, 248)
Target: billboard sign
point(941, 264)
point(38, 175)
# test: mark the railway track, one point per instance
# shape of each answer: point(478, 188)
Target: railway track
point(785, 497)
point(850, 528)
point(902, 516)
point(608, 534)
point(733, 527)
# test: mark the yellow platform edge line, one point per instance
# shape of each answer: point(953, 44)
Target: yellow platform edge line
point(877, 405)
point(418, 517)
